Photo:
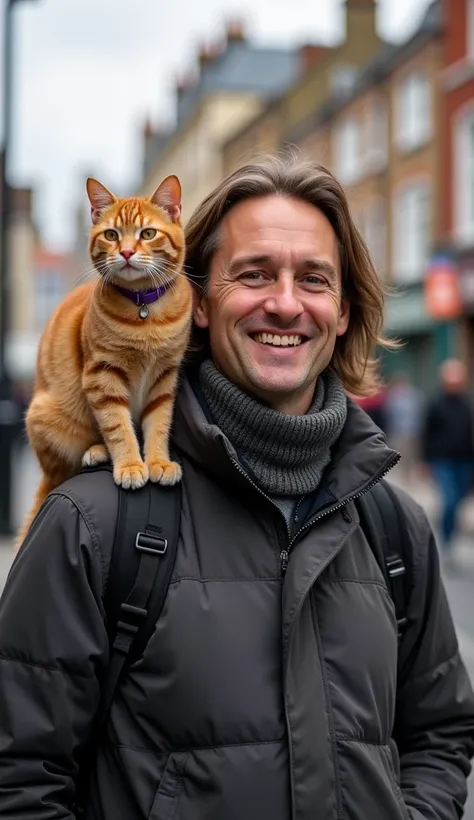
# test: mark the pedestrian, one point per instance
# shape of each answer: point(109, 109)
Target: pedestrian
point(403, 413)
point(448, 446)
point(375, 406)
point(272, 684)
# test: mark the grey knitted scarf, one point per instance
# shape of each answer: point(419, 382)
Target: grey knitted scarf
point(286, 453)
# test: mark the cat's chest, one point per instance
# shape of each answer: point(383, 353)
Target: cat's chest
point(140, 386)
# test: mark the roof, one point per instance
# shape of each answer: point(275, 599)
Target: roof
point(242, 67)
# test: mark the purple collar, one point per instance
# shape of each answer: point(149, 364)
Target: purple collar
point(144, 297)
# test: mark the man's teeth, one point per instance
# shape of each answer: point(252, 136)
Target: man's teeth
point(278, 341)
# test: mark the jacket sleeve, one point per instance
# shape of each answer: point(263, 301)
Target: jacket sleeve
point(53, 648)
point(434, 726)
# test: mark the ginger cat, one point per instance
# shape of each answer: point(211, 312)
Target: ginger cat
point(110, 354)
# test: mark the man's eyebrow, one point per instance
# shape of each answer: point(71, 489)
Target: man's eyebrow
point(241, 262)
point(320, 266)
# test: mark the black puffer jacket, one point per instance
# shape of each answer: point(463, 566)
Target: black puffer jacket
point(257, 697)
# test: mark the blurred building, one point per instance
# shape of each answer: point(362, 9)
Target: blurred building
point(234, 81)
point(331, 74)
point(52, 275)
point(370, 112)
point(458, 166)
point(22, 242)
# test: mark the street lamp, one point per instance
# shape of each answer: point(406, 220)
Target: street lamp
point(8, 412)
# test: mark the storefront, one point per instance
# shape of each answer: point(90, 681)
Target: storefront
point(426, 342)
point(466, 283)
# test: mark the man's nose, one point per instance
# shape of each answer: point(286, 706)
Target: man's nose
point(283, 301)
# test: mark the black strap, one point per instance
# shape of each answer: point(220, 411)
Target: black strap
point(142, 561)
point(383, 521)
point(145, 546)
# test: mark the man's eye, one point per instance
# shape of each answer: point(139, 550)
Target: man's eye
point(314, 279)
point(253, 275)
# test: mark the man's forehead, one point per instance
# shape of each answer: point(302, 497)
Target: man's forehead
point(275, 212)
point(278, 231)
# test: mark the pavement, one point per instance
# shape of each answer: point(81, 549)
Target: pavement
point(459, 582)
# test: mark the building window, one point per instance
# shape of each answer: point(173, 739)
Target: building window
point(470, 29)
point(413, 125)
point(50, 290)
point(412, 233)
point(375, 234)
point(348, 151)
point(376, 136)
point(342, 79)
point(464, 178)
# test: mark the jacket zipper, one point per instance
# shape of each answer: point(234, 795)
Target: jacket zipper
point(285, 553)
point(256, 487)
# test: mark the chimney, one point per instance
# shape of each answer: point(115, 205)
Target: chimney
point(361, 21)
point(207, 54)
point(235, 31)
point(148, 129)
point(309, 55)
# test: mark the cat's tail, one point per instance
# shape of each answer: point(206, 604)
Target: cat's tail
point(45, 486)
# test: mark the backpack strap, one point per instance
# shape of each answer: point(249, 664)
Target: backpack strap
point(383, 521)
point(143, 557)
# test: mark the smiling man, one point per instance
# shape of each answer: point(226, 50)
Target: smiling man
point(275, 684)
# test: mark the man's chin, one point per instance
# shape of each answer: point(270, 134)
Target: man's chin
point(267, 388)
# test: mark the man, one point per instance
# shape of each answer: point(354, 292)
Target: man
point(269, 689)
point(448, 445)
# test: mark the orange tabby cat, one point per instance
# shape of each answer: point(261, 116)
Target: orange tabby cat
point(110, 354)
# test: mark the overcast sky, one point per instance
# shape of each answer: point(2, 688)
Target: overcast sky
point(88, 72)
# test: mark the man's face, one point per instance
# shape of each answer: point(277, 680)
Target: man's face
point(274, 302)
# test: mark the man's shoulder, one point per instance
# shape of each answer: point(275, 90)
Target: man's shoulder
point(96, 497)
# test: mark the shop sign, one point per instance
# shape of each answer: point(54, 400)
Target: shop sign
point(442, 289)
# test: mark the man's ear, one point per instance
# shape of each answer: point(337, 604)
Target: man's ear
point(344, 316)
point(200, 310)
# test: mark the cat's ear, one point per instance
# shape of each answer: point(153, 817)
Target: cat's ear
point(100, 198)
point(168, 197)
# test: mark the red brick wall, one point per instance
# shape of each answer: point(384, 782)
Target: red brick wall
point(456, 19)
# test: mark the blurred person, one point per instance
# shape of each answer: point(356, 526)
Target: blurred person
point(271, 685)
point(448, 445)
point(375, 407)
point(403, 415)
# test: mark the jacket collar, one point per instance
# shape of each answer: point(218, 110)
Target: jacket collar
point(359, 456)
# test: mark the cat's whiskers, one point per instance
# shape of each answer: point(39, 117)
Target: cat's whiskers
point(86, 274)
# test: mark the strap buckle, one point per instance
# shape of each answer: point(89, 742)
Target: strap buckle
point(395, 566)
point(151, 543)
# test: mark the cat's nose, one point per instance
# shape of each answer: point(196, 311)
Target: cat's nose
point(127, 254)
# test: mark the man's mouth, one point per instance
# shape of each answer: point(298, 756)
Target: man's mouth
point(279, 340)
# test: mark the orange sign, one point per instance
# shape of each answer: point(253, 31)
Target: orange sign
point(442, 291)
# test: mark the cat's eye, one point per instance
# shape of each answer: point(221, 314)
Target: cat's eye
point(111, 235)
point(148, 233)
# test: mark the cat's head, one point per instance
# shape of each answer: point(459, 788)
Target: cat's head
point(137, 241)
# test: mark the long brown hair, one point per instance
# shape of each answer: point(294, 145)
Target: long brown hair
point(353, 359)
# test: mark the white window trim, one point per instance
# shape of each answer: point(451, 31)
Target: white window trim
point(403, 274)
point(347, 177)
point(404, 140)
point(463, 225)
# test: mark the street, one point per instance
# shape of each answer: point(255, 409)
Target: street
point(459, 583)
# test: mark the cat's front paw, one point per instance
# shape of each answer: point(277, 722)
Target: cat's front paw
point(97, 454)
point(164, 472)
point(131, 475)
